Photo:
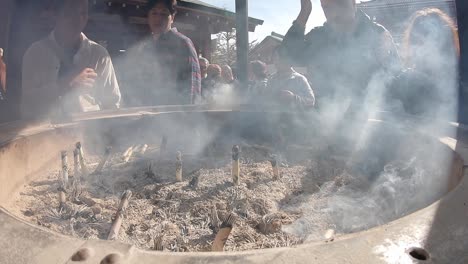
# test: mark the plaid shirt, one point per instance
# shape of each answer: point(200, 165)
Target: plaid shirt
point(168, 72)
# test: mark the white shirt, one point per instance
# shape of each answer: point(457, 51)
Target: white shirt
point(41, 94)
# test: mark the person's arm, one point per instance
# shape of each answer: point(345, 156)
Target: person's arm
point(107, 87)
point(294, 41)
point(304, 97)
point(35, 89)
point(191, 75)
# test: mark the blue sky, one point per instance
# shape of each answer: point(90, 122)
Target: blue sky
point(278, 15)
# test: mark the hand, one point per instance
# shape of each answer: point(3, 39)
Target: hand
point(286, 96)
point(85, 79)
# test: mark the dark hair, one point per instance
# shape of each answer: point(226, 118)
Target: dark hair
point(170, 4)
point(259, 69)
point(58, 5)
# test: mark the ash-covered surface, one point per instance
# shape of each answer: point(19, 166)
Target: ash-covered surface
point(316, 198)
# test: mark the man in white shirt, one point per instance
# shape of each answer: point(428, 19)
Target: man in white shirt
point(66, 72)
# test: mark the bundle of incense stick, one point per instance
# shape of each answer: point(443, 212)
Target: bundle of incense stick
point(179, 167)
point(235, 165)
point(127, 154)
point(223, 233)
point(114, 231)
point(64, 156)
point(158, 243)
point(275, 167)
point(103, 161)
point(84, 167)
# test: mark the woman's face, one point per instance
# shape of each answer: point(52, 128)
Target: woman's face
point(160, 19)
point(431, 44)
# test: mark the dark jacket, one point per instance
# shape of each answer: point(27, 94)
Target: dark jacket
point(341, 66)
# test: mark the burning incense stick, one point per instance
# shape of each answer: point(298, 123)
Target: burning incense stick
point(223, 233)
point(62, 198)
point(128, 154)
point(76, 163)
point(143, 149)
point(84, 167)
point(64, 169)
point(103, 161)
point(179, 167)
point(214, 219)
point(114, 231)
point(275, 167)
point(235, 164)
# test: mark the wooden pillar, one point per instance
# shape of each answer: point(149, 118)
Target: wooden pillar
point(6, 11)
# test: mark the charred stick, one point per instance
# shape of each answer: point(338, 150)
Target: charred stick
point(117, 223)
point(84, 167)
point(235, 164)
point(163, 147)
point(223, 233)
point(76, 163)
point(64, 169)
point(103, 161)
point(179, 167)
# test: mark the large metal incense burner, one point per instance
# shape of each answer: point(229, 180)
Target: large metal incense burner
point(430, 225)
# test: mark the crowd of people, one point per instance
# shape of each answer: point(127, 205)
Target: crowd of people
point(66, 71)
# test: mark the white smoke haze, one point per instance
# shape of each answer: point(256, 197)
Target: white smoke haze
point(389, 175)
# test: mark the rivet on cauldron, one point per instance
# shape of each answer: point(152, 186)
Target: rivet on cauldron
point(113, 258)
point(82, 254)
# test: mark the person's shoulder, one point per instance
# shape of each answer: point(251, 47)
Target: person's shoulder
point(37, 47)
point(182, 38)
point(98, 48)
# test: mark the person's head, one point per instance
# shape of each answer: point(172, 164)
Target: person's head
point(281, 60)
point(257, 70)
point(203, 66)
point(226, 73)
point(161, 14)
point(340, 14)
point(431, 39)
point(214, 71)
point(71, 16)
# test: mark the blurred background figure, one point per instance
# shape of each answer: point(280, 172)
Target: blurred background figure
point(3, 70)
point(66, 72)
point(431, 52)
point(164, 69)
point(342, 56)
point(226, 74)
point(258, 80)
point(204, 63)
point(288, 87)
point(212, 82)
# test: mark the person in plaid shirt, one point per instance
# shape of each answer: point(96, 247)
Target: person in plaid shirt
point(169, 71)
